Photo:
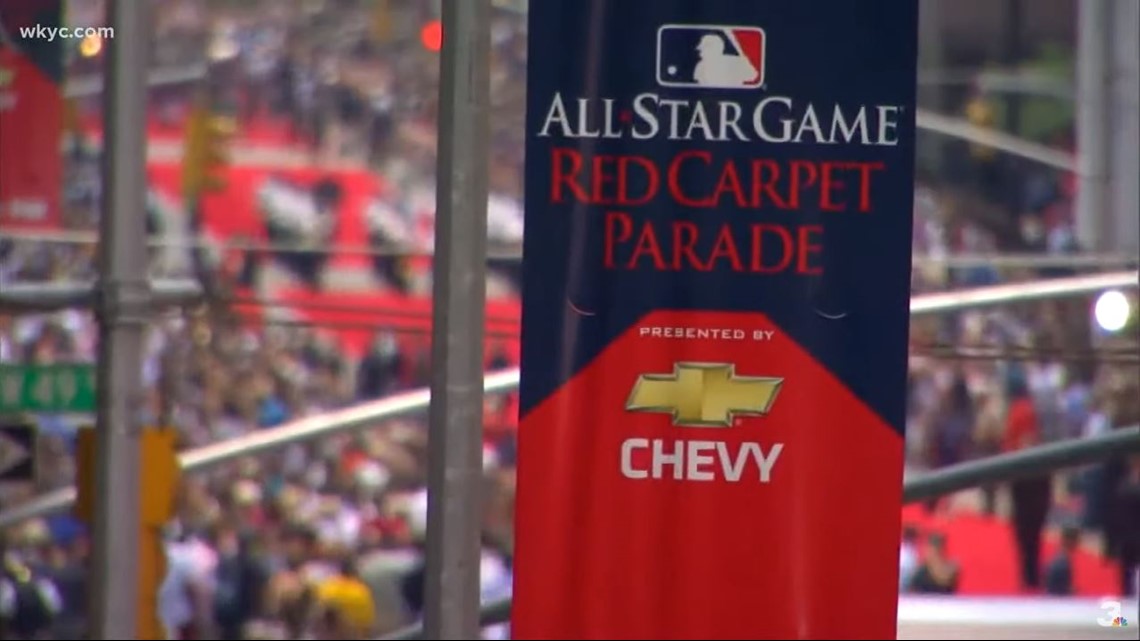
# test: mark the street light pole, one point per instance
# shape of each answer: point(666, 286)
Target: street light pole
point(455, 470)
point(122, 303)
point(1093, 123)
point(1125, 109)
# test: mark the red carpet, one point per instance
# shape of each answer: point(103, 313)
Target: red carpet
point(353, 318)
point(233, 214)
point(985, 548)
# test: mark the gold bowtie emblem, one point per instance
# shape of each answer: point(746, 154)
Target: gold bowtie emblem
point(704, 394)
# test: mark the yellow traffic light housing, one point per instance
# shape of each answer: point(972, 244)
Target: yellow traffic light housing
point(206, 153)
point(382, 21)
point(161, 474)
point(71, 123)
point(980, 112)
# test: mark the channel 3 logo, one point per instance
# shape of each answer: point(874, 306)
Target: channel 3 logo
point(1114, 616)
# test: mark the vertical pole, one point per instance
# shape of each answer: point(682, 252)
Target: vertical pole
point(1093, 127)
point(931, 57)
point(1013, 50)
point(459, 289)
point(1123, 212)
point(455, 469)
point(122, 306)
point(1012, 166)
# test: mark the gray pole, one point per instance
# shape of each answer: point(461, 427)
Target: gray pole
point(931, 54)
point(1125, 110)
point(1093, 126)
point(122, 301)
point(455, 466)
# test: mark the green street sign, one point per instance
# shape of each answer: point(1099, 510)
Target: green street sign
point(47, 388)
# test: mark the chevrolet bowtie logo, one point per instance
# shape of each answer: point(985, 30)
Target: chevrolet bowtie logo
point(704, 394)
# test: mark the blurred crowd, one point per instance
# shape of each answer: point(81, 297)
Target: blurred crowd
point(324, 540)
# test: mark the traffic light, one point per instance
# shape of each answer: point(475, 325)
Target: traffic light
point(161, 474)
point(431, 35)
point(980, 112)
point(205, 152)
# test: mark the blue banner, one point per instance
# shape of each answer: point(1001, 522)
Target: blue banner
point(715, 318)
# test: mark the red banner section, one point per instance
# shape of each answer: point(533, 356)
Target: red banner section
point(732, 486)
point(31, 168)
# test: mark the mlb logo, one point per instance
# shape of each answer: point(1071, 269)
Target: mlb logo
point(710, 56)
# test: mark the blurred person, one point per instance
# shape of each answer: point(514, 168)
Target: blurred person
point(329, 626)
point(937, 574)
point(989, 429)
point(67, 566)
point(184, 597)
point(29, 601)
point(1031, 495)
point(954, 424)
point(379, 371)
point(1122, 525)
point(495, 583)
point(1093, 480)
point(1059, 571)
point(291, 590)
point(382, 125)
point(338, 522)
point(1046, 383)
point(349, 598)
point(386, 559)
point(239, 584)
point(289, 599)
point(909, 556)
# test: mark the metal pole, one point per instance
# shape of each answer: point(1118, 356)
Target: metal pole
point(455, 469)
point(1093, 127)
point(931, 55)
point(123, 297)
point(1124, 202)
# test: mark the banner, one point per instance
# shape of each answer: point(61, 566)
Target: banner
point(31, 114)
point(715, 316)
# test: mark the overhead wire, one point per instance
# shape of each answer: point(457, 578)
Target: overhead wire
point(941, 351)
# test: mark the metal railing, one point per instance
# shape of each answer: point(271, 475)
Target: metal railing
point(367, 414)
point(56, 295)
point(1003, 467)
point(513, 251)
point(1020, 292)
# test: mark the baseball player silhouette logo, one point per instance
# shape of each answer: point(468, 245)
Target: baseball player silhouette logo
point(710, 56)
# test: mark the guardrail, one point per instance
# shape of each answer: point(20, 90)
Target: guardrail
point(1002, 467)
point(366, 414)
point(30, 297)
